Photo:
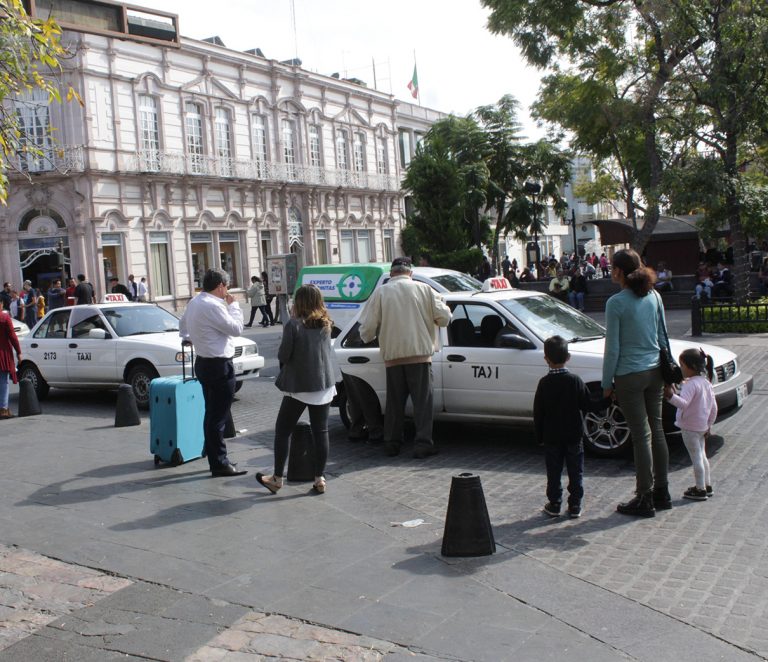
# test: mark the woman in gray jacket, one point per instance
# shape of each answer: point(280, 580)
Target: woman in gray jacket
point(306, 379)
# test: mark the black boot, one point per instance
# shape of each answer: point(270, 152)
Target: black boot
point(661, 498)
point(640, 506)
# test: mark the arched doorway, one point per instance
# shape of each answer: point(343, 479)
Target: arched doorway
point(43, 248)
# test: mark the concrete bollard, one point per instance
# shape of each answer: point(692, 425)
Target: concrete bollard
point(29, 405)
point(468, 529)
point(126, 411)
point(301, 461)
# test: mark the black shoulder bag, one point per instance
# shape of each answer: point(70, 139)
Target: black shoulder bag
point(670, 371)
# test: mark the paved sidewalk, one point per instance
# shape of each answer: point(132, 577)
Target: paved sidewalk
point(182, 566)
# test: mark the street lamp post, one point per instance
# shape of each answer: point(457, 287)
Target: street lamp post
point(572, 223)
point(533, 189)
point(62, 263)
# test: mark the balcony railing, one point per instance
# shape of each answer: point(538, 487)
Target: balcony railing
point(179, 163)
point(61, 158)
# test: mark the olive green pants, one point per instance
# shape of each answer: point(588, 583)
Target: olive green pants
point(640, 396)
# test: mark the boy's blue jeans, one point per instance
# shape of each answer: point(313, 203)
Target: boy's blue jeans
point(573, 458)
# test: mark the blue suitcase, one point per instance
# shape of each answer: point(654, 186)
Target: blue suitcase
point(176, 411)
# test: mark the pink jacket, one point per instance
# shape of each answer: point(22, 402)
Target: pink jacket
point(696, 405)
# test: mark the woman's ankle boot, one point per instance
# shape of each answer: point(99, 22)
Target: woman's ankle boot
point(640, 506)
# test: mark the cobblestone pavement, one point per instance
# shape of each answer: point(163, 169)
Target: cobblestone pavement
point(36, 590)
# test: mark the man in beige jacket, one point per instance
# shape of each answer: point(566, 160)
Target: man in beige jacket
point(403, 314)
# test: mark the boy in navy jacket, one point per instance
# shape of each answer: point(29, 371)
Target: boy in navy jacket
point(561, 398)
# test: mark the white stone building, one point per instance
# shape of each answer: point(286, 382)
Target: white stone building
point(187, 155)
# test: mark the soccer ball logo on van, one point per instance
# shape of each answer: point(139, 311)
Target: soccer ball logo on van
point(350, 286)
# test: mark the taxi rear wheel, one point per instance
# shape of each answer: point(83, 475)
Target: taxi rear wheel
point(139, 378)
point(606, 432)
point(30, 372)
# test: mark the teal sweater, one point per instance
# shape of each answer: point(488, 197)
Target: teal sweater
point(633, 334)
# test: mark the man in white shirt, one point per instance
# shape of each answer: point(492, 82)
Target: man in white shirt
point(210, 322)
point(141, 292)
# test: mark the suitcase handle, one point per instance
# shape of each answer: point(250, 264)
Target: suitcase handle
point(184, 345)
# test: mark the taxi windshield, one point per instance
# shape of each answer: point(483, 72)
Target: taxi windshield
point(546, 316)
point(140, 320)
point(458, 282)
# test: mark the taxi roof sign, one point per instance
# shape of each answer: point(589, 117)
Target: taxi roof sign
point(114, 297)
point(496, 283)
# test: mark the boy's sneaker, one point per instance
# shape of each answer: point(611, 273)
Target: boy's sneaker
point(574, 511)
point(552, 508)
point(709, 491)
point(695, 494)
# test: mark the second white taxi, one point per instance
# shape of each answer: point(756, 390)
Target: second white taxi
point(108, 344)
point(490, 358)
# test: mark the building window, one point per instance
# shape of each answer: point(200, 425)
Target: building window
point(34, 125)
point(266, 246)
point(149, 127)
point(159, 264)
point(112, 254)
point(195, 148)
point(229, 256)
point(260, 146)
point(359, 152)
point(381, 157)
point(355, 245)
point(201, 248)
point(405, 148)
point(314, 146)
point(322, 247)
point(389, 245)
point(224, 141)
point(342, 162)
point(289, 149)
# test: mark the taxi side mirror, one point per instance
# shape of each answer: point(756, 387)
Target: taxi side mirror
point(98, 334)
point(514, 341)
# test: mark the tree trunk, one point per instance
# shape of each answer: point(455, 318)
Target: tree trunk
point(733, 213)
point(643, 236)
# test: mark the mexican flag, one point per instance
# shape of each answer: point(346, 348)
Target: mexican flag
point(413, 86)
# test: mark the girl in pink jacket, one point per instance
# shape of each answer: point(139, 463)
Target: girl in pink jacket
point(696, 411)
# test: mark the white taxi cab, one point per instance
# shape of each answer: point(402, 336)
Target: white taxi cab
point(489, 360)
point(108, 344)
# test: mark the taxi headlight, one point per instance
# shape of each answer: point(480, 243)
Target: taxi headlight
point(182, 356)
point(251, 349)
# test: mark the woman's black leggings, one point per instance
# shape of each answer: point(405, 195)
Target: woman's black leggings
point(289, 414)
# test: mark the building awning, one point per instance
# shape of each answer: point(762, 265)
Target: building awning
point(669, 228)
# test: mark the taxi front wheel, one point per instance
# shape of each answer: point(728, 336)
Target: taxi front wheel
point(30, 372)
point(606, 433)
point(139, 378)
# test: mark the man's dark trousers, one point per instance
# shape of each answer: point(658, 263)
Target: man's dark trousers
point(217, 377)
point(573, 458)
point(414, 379)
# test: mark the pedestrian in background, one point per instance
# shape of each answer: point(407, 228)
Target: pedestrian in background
point(57, 295)
point(273, 319)
point(142, 292)
point(28, 304)
point(211, 320)
point(635, 332)
point(306, 380)
point(40, 305)
point(84, 293)
point(696, 411)
point(403, 314)
point(6, 297)
point(561, 398)
point(71, 289)
point(255, 294)
point(9, 344)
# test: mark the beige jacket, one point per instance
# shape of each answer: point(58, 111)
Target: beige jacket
point(403, 314)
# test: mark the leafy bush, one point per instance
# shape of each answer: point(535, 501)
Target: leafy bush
point(737, 319)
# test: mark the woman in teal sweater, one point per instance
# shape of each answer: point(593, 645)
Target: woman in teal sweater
point(632, 375)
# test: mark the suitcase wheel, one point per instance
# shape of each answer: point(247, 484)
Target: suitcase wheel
point(176, 458)
point(157, 460)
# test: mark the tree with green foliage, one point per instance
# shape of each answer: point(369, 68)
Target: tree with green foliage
point(30, 55)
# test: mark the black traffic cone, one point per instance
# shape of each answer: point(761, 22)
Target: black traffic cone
point(467, 525)
point(29, 405)
point(229, 427)
point(126, 411)
point(301, 461)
